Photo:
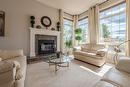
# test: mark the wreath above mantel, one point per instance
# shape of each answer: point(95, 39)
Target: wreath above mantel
point(46, 21)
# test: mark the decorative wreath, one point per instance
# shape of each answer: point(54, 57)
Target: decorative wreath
point(46, 21)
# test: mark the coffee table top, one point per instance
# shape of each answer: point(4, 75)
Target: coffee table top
point(62, 59)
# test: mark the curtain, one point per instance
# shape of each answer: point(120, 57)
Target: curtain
point(97, 22)
point(61, 29)
point(75, 17)
point(94, 23)
point(128, 26)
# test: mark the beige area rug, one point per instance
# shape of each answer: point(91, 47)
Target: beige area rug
point(77, 75)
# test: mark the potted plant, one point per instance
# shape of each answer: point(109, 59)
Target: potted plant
point(68, 44)
point(78, 35)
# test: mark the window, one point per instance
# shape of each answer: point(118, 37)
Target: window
point(68, 31)
point(83, 24)
point(113, 25)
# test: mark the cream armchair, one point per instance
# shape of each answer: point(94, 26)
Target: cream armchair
point(12, 68)
point(118, 76)
point(92, 53)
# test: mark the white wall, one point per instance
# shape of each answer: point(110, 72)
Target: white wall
point(17, 21)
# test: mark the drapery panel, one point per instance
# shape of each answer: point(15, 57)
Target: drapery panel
point(75, 17)
point(94, 23)
point(128, 26)
point(61, 29)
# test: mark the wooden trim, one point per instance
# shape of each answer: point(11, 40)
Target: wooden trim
point(68, 19)
point(83, 18)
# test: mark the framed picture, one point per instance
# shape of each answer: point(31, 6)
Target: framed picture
point(2, 23)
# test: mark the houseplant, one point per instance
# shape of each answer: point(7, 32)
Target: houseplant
point(78, 35)
point(68, 44)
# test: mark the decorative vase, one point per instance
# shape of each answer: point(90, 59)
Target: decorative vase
point(58, 26)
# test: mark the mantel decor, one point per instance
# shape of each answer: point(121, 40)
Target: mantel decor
point(46, 21)
point(32, 21)
point(2, 23)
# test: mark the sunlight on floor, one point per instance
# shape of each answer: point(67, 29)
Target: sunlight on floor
point(101, 72)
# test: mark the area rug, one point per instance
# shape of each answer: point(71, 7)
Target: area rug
point(41, 75)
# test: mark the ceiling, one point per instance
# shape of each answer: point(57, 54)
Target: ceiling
point(71, 6)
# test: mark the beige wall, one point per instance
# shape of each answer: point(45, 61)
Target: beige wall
point(17, 21)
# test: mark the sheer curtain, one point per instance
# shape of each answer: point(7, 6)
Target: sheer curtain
point(128, 26)
point(94, 23)
point(61, 29)
point(75, 17)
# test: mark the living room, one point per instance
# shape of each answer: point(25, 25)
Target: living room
point(64, 43)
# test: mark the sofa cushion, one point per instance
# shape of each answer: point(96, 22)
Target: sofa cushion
point(117, 77)
point(86, 47)
point(97, 46)
point(6, 54)
point(93, 55)
point(124, 64)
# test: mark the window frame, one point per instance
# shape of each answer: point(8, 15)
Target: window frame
point(88, 39)
point(65, 18)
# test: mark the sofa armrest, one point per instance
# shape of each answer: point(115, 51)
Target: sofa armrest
point(7, 72)
point(77, 48)
point(124, 64)
point(102, 52)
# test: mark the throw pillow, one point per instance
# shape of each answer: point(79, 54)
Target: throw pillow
point(100, 53)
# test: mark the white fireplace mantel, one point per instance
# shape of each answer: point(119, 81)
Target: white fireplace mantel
point(34, 31)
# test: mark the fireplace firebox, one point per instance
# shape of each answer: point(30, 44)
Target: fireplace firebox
point(45, 45)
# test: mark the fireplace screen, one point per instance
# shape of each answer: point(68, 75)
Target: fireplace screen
point(46, 47)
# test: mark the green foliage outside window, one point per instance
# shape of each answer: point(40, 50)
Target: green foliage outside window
point(105, 30)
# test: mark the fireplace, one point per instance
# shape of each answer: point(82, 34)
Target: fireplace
point(45, 45)
point(44, 35)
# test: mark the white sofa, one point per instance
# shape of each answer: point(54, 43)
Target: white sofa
point(12, 68)
point(92, 53)
point(118, 76)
